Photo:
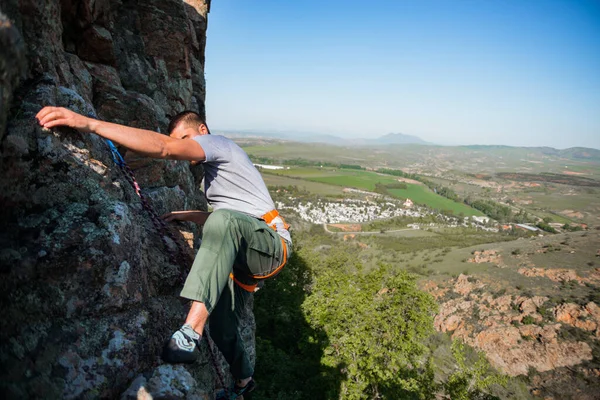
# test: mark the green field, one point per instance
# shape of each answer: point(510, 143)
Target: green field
point(354, 180)
point(358, 179)
point(366, 180)
point(313, 187)
point(313, 152)
point(423, 195)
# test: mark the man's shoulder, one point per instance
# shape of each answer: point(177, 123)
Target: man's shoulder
point(213, 138)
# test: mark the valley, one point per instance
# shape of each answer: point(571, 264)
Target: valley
point(519, 284)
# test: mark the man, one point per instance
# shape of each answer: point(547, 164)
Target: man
point(244, 239)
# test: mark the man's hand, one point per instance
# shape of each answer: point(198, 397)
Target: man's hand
point(198, 217)
point(49, 117)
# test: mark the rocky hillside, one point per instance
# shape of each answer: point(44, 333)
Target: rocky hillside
point(88, 289)
point(533, 308)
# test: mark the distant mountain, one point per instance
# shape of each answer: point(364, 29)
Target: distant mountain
point(572, 153)
point(577, 153)
point(399, 138)
point(311, 137)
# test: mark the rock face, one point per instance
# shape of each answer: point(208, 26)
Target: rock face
point(88, 290)
point(12, 65)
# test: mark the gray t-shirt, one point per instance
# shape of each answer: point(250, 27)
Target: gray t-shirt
point(232, 182)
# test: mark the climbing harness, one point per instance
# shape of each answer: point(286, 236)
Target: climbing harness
point(270, 219)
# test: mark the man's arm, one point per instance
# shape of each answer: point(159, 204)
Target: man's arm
point(198, 217)
point(148, 143)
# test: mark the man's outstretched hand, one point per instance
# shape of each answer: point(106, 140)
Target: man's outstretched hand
point(198, 217)
point(50, 117)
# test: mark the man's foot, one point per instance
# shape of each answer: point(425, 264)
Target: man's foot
point(243, 390)
point(182, 347)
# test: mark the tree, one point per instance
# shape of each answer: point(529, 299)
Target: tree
point(376, 324)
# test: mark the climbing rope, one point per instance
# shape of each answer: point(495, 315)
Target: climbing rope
point(213, 360)
point(158, 223)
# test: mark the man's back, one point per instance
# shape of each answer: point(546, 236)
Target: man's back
point(231, 180)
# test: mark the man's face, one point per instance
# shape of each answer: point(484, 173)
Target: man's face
point(187, 131)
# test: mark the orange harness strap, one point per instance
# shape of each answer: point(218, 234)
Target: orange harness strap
point(268, 218)
point(247, 288)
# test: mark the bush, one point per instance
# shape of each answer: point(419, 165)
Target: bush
point(545, 227)
point(471, 381)
point(528, 320)
point(572, 228)
point(571, 333)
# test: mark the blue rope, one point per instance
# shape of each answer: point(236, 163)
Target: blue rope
point(118, 159)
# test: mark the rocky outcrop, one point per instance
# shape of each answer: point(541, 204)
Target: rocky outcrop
point(562, 275)
point(514, 350)
point(465, 285)
point(88, 290)
point(505, 327)
point(485, 256)
point(583, 317)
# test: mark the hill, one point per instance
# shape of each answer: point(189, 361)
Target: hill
point(399, 138)
point(312, 137)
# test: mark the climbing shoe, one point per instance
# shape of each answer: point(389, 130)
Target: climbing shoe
point(237, 392)
point(182, 347)
point(243, 390)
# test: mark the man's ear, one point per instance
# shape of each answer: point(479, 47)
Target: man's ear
point(203, 129)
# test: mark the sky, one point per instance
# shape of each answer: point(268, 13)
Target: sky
point(519, 73)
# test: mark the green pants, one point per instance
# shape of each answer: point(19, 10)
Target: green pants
point(231, 241)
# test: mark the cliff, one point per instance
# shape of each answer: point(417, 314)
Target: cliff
point(88, 290)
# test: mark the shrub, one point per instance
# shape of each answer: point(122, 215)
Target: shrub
point(528, 320)
point(471, 381)
point(571, 333)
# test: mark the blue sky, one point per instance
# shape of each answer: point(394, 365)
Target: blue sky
point(523, 73)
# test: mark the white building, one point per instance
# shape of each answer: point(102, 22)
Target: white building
point(270, 166)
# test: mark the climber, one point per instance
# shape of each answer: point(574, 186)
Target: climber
point(244, 238)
